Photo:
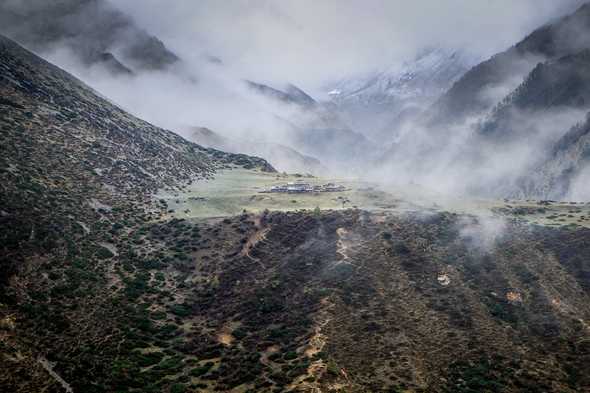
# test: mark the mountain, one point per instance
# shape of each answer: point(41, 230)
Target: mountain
point(555, 85)
point(290, 95)
point(281, 157)
point(564, 174)
point(103, 290)
point(78, 177)
point(93, 30)
point(500, 122)
point(486, 84)
point(377, 102)
point(317, 130)
point(299, 108)
point(536, 115)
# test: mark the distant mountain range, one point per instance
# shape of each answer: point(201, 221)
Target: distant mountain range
point(440, 116)
point(283, 158)
point(376, 103)
point(483, 86)
point(316, 129)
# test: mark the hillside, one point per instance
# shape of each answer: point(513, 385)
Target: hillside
point(556, 85)
point(104, 291)
point(497, 127)
point(564, 174)
point(77, 176)
point(487, 83)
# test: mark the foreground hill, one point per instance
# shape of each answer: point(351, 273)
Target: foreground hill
point(73, 167)
point(102, 292)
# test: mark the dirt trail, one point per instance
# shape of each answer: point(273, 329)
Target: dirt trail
point(342, 245)
point(48, 366)
point(308, 381)
point(257, 237)
point(264, 359)
point(346, 241)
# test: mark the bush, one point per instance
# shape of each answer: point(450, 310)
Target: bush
point(177, 388)
point(332, 368)
point(180, 310)
point(149, 359)
point(202, 370)
point(290, 355)
point(103, 253)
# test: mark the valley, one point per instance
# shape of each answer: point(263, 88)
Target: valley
point(133, 260)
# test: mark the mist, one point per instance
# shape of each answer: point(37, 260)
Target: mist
point(309, 43)
point(220, 46)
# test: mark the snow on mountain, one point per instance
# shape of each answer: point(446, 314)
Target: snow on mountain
point(430, 74)
point(373, 101)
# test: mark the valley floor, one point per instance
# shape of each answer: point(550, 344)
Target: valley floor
point(233, 191)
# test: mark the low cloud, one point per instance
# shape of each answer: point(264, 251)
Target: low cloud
point(309, 42)
point(481, 233)
point(312, 44)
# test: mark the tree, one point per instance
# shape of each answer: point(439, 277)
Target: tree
point(317, 212)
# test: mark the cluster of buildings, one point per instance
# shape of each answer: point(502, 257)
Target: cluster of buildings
point(301, 187)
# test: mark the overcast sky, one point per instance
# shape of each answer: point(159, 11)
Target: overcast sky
point(310, 42)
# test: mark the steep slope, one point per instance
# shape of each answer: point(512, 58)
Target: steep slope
point(77, 176)
point(492, 129)
point(564, 174)
point(95, 31)
point(486, 84)
point(530, 123)
point(559, 85)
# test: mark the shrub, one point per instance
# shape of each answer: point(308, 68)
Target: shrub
point(180, 310)
point(148, 359)
point(290, 355)
point(177, 388)
point(202, 370)
point(104, 253)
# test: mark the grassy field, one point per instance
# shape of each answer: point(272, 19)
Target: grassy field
point(233, 191)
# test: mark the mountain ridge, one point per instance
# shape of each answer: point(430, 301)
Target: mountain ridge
point(111, 39)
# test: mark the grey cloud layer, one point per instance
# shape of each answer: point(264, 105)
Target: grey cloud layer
point(309, 42)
